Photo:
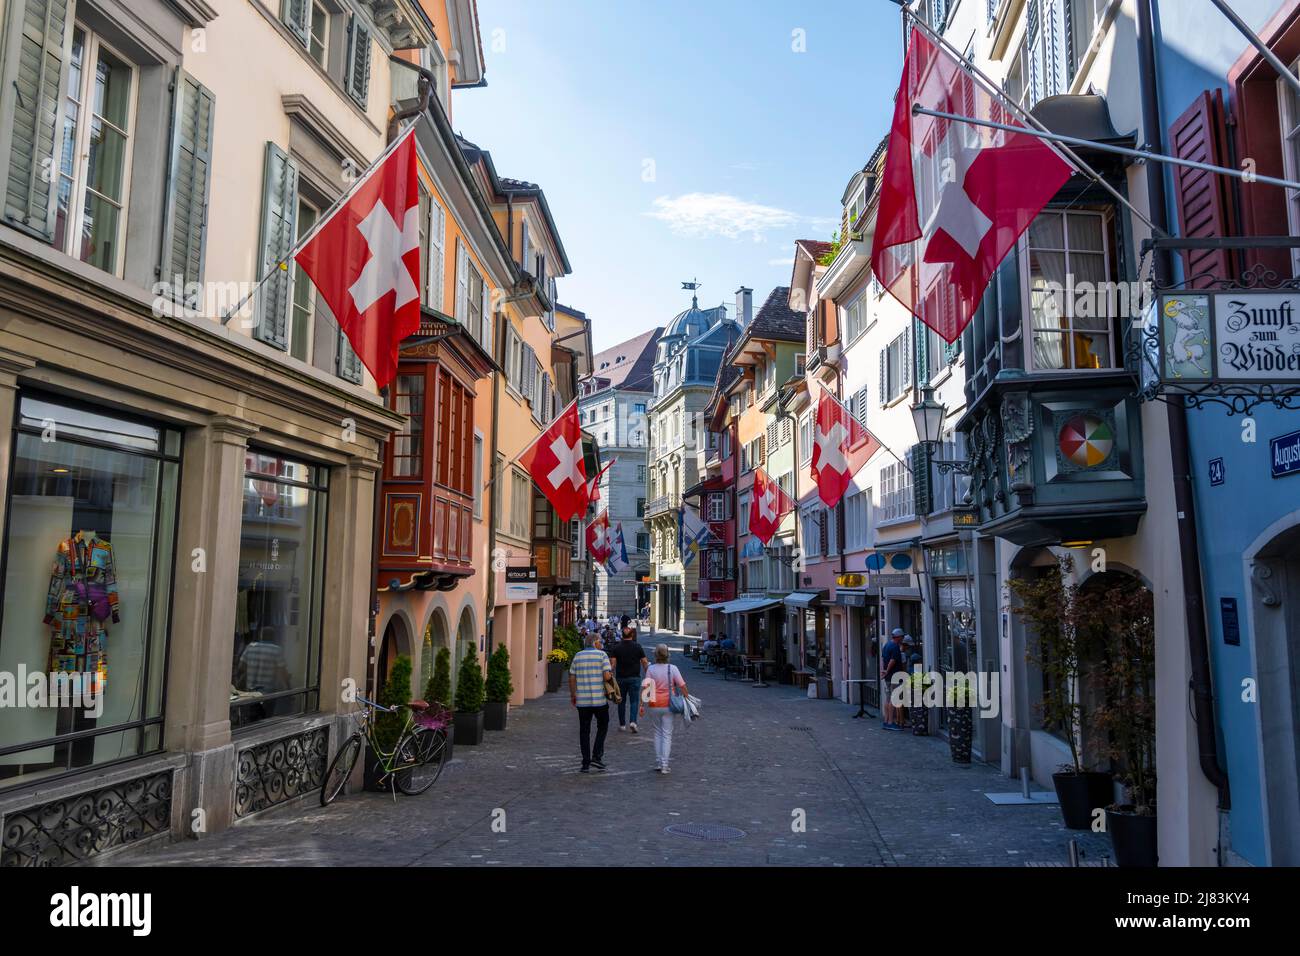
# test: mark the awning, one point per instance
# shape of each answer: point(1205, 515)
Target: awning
point(805, 599)
point(744, 605)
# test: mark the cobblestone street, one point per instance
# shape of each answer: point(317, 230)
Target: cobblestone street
point(871, 797)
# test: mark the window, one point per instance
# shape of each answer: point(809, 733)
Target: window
point(896, 367)
point(640, 473)
point(896, 499)
point(810, 524)
point(92, 513)
point(742, 513)
point(1084, 17)
point(1289, 105)
point(857, 511)
point(642, 542)
point(521, 503)
point(639, 408)
point(1069, 249)
point(303, 303)
point(716, 565)
point(408, 443)
point(472, 299)
point(95, 153)
point(717, 508)
point(854, 318)
point(806, 437)
point(800, 364)
point(276, 664)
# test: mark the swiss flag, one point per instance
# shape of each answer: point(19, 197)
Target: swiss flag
point(962, 193)
point(840, 447)
point(598, 538)
point(365, 260)
point(769, 505)
point(554, 461)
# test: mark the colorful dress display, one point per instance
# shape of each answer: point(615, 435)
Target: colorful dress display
point(81, 600)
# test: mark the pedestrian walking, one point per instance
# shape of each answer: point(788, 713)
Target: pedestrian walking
point(891, 663)
point(664, 676)
point(629, 667)
point(587, 673)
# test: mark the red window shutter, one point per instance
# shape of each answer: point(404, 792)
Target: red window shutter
point(1205, 208)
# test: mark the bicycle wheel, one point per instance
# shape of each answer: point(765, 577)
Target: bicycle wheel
point(426, 752)
point(340, 769)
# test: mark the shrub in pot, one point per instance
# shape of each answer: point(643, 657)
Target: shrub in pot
point(497, 690)
point(556, 661)
point(396, 690)
point(1065, 625)
point(917, 710)
point(438, 691)
point(469, 701)
point(1127, 719)
point(961, 697)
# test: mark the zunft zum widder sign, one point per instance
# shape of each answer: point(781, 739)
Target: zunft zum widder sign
point(1237, 336)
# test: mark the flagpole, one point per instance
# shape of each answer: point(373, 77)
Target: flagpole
point(1106, 147)
point(321, 220)
point(521, 451)
point(994, 90)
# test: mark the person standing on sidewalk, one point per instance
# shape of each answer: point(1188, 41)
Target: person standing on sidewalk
point(629, 664)
point(587, 673)
point(664, 676)
point(891, 663)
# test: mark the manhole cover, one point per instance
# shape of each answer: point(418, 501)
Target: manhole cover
point(709, 832)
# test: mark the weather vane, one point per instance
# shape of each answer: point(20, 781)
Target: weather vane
point(693, 285)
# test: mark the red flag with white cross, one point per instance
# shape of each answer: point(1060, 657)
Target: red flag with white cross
point(954, 196)
point(768, 506)
point(554, 462)
point(841, 446)
point(598, 538)
point(365, 260)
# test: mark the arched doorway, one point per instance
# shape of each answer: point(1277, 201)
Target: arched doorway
point(435, 639)
point(466, 643)
point(397, 641)
point(1275, 614)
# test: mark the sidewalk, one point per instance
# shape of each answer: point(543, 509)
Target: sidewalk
point(761, 761)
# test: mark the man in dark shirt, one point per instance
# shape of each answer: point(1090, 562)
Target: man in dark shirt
point(629, 664)
point(891, 663)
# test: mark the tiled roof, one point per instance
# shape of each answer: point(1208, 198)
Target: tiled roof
point(776, 320)
point(518, 185)
point(633, 372)
point(814, 247)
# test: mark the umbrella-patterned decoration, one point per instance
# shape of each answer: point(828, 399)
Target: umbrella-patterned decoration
point(1085, 440)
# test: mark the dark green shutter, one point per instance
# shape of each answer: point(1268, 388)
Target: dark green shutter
point(297, 17)
point(357, 80)
point(31, 102)
point(279, 221)
point(884, 375)
point(951, 350)
point(920, 462)
point(921, 335)
point(185, 229)
point(348, 364)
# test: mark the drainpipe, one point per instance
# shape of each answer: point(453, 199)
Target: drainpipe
point(489, 603)
point(425, 87)
point(1179, 452)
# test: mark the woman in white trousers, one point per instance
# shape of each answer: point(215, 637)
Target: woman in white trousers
point(660, 677)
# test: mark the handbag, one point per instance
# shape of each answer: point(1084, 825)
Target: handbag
point(612, 692)
point(93, 595)
point(676, 702)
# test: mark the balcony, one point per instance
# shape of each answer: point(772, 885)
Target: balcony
point(662, 504)
point(1056, 459)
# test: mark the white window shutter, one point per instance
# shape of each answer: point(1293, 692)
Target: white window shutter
point(884, 376)
point(905, 359)
point(437, 267)
point(462, 285)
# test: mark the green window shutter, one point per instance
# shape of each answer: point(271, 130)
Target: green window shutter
point(952, 350)
point(921, 335)
point(297, 17)
point(279, 229)
point(36, 38)
point(920, 464)
point(348, 364)
point(185, 226)
point(884, 376)
point(357, 81)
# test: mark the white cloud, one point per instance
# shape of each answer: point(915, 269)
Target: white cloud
point(719, 214)
point(787, 262)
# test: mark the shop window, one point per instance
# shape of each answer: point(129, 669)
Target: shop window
point(90, 548)
point(276, 667)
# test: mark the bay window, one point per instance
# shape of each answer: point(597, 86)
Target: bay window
point(1067, 252)
point(1289, 109)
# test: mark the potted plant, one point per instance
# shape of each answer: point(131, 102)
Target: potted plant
point(919, 681)
point(961, 697)
point(1064, 622)
point(438, 692)
point(388, 726)
point(469, 701)
point(556, 662)
point(498, 689)
point(1127, 718)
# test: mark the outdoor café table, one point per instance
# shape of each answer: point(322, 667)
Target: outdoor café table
point(756, 663)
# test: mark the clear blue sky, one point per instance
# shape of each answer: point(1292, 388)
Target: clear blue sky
point(679, 139)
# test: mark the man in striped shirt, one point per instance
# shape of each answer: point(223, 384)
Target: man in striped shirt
point(587, 673)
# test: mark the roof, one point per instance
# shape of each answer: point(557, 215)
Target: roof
point(628, 365)
point(776, 320)
point(814, 247)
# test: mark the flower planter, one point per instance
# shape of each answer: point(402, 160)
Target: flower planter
point(1080, 794)
point(494, 715)
point(1133, 836)
point(554, 676)
point(469, 728)
point(920, 720)
point(961, 730)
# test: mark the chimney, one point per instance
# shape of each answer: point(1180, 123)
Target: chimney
point(744, 306)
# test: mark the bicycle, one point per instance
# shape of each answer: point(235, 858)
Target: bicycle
point(413, 765)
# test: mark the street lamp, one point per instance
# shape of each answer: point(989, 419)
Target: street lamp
point(928, 417)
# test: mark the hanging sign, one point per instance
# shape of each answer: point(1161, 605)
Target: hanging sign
point(1239, 336)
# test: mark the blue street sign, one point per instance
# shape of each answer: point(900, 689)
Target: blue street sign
point(1284, 455)
point(1216, 471)
point(1231, 626)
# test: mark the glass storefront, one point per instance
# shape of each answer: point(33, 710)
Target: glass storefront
point(275, 671)
point(88, 559)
